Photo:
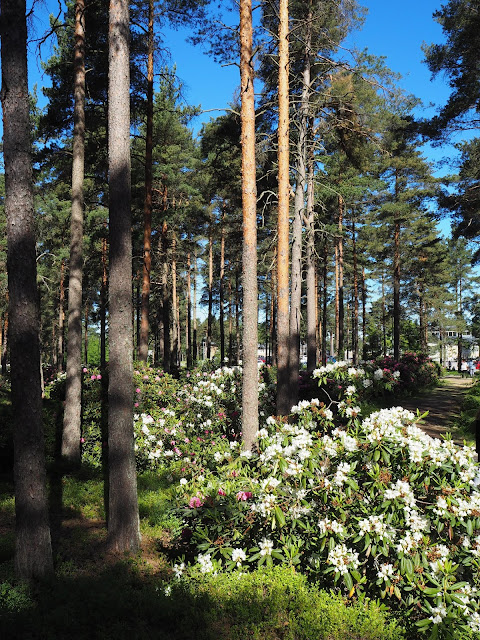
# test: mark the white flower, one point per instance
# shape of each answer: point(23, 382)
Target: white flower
point(367, 383)
point(386, 571)
point(350, 390)
point(438, 614)
point(263, 433)
point(266, 547)
point(183, 481)
point(178, 569)
point(378, 374)
point(343, 558)
point(238, 556)
point(168, 590)
point(205, 562)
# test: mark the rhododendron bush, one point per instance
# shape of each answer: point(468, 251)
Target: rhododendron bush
point(368, 505)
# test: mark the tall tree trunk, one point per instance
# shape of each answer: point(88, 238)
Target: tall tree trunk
point(355, 297)
point(165, 301)
point(237, 317)
point(210, 288)
point(33, 550)
point(283, 378)
point(85, 334)
point(147, 208)
point(195, 337)
point(273, 319)
point(72, 416)
point(123, 522)
point(324, 305)
point(222, 289)
point(189, 312)
point(384, 317)
point(299, 214)
point(4, 352)
point(103, 306)
point(175, 312)
point(396, 277)
point(230, 322)
point(61, 318)
point(249, 254)
point(364, 315)
point(337, 301)
point(311, 271)
point(341, 314)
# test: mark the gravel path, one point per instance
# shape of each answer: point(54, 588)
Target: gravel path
point(442, 404)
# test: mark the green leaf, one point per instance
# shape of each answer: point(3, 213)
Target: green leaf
point(279, 516)
point(347, 578)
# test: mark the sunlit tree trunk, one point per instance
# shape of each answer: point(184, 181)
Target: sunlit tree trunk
point(123, 522)
point(61, 318)
point(165, 300)
point(341, 313)
point(222, 288)
point(249, 254)
point(210, 288)
point(33, 550)
point(147, 208)
point(175, 311)
point(189, 312)
point(73, 391)
point(355, 297)
point(311, 271)
point(195, 340)
point(283, 332)
point(396, 277)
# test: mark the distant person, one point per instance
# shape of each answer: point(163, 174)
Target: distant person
point(464, 368)
point(471, 368)
point(449, 366)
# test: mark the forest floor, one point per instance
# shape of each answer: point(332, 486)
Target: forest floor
point(442, 403)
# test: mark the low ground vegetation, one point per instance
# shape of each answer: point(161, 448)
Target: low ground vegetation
point(367, 507)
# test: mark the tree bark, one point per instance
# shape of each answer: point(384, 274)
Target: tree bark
point(249, 254)
point(189, 312)
point(72, 417)
point(341, 313)
point(355, 297)
point(283, 378)
point(396, 277)
point(61, 318)
point(123, 523)
point(210, 288)
point(222, 289)
point(147, 208)
point(33, 550)
point(311, 271)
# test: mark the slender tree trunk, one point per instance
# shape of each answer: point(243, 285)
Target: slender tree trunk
point(324, 305)
point(147, 208)
point(337, 301)
point(384, 317)
point(189, 312)
point(123, 522)
point(210, 288)
point(222, 289)
point(341, 345)
point(166, 301)
point(103, 307)
point(175, 313)
point(273, 314)
point(283, 378)
point(4, 353)
point(396, 278)
point(72, 416)
point(61, 318)
point(249, 254)
point(195, 341)
point(33, 550)
point(364, 315)
point(230, 322)
point(355, 297)
point(237, 317)
point(311, 271)
point(85, 339)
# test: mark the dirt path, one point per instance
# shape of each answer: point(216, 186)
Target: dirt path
point(442, 404)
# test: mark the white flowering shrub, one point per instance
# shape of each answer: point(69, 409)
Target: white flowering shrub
point(374, 506)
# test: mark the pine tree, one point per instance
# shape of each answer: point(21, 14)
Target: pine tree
point(33, 551)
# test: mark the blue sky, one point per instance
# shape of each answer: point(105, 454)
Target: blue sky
point(392, 29)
